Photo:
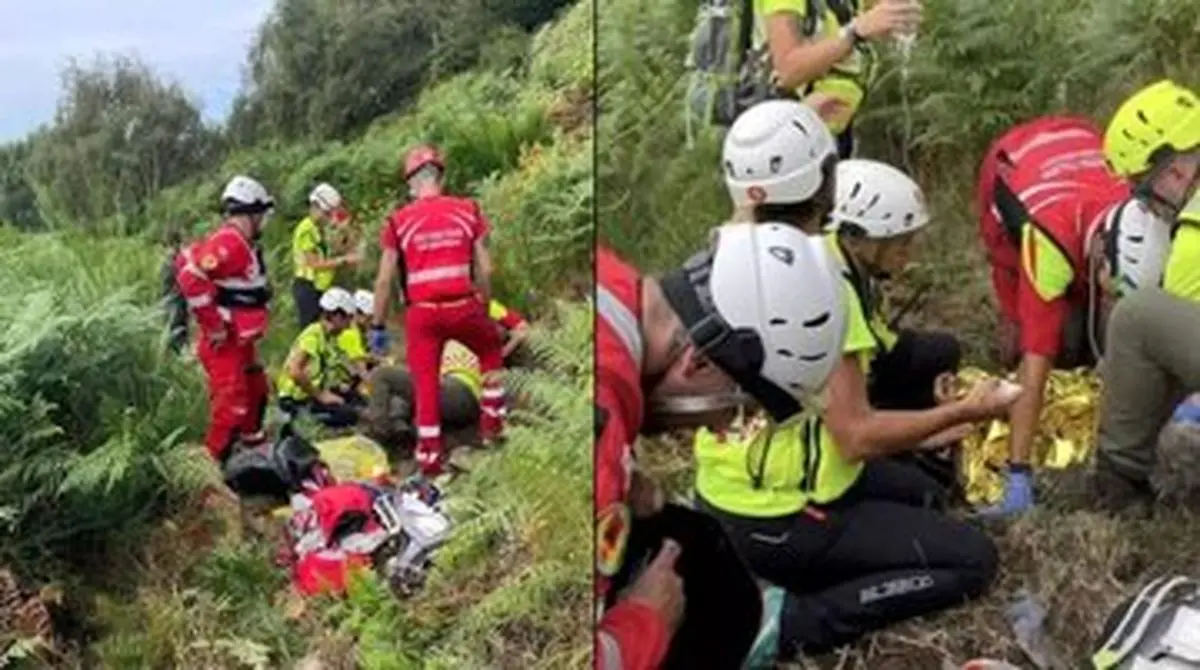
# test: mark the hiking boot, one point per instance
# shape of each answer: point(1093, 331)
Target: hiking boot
point(1115, 493)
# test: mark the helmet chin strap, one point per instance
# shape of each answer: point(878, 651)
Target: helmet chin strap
point(698, 404)
point(683, 412)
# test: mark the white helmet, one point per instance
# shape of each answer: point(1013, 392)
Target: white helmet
point(325, 198)
point(1137, 244)
point(878, 198)
point(243, 195)
point(365, 301)
point(775, 152)
point(778, 294)
point(337, 300)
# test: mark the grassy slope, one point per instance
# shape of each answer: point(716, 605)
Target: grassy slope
point(98, 421)
point(980, 66)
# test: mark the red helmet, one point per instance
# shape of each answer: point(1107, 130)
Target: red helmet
point(420, 157)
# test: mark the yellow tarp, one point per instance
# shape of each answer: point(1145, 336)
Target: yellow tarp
point(1065, 435)
point(350, 458)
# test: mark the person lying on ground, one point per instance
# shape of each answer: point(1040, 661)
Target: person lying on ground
point(437, 244)
point(1151, 360)
point(312, 254)
point(1055, 222)
point(392, 395)
point(822, 52)
point(223, 277)
point(390, 410)
point(306, 382)
point(761, 288)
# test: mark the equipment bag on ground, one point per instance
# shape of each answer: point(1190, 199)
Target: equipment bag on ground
point(1158, 629)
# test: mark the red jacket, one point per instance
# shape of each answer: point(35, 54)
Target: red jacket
point(631, 631)
point(1055, 167)
point(223, 277)
point(435, 239)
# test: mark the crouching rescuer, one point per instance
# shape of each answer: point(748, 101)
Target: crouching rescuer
point(438, 245)
point(223, 278)
point(308, 379)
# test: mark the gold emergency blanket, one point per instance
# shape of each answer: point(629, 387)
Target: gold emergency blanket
point(1065, 435)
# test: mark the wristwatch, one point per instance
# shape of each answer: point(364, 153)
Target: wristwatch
point(849, 32)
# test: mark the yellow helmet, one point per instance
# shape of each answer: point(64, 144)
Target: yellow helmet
point(1161, 115)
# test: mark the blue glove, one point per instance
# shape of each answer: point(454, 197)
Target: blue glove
point(1188, 411)
point(1018, 495)
point(377, 340)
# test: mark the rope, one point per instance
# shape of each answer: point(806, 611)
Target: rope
point(904, 45)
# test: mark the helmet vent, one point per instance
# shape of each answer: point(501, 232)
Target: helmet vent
point(787, 353)
point(817, 321)
point(800, 127)
point(776, 163)
point(776, 321)
point(813, 358)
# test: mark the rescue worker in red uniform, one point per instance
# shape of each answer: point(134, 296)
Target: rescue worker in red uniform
point(223, 277)
point(762, 310)
point(438, 244)
point(1051, 216)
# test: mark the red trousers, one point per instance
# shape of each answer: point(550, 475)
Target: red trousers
point(427, 328)
point(237, 392)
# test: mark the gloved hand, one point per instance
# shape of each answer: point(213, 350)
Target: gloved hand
point(1018, 495)
point(377, 340)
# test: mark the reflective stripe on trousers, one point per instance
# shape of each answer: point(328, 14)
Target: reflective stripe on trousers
point(608, 652)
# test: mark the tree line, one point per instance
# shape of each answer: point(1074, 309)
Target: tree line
point(317, 70)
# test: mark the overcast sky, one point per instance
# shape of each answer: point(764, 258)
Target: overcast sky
point(201, 44)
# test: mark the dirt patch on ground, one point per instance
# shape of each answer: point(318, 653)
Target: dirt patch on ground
point(572, 111)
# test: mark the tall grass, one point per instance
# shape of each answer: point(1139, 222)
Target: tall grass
point(91, 411)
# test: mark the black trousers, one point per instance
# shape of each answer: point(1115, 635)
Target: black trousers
point(902, 379)
point(331, 416)
point(177, 323)
point(308, 301)
point(883, 553)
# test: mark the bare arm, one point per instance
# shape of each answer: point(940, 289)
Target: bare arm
point(797, 60)
point(863, 432)
point(312, 260)
point(297, 368)
point(515, 338)
point(384, 279)
point(483, 269)
point(1026, 411)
